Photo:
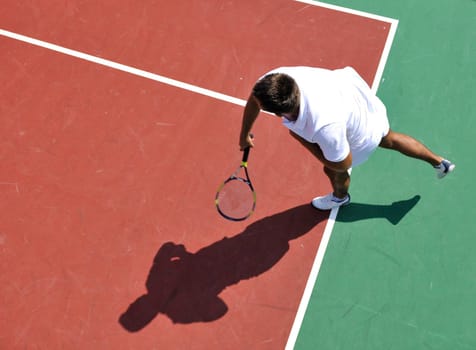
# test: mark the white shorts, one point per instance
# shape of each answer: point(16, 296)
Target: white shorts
point(361, 154)
point(373, 123)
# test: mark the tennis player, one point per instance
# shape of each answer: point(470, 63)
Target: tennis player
point(335, 115)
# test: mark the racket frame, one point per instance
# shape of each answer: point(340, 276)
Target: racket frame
point(234, 177)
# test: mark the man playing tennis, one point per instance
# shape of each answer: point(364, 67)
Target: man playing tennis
point(335, 115)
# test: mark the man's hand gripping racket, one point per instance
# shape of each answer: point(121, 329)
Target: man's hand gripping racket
point(236, 199)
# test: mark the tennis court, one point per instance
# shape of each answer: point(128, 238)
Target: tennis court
point(118, 129)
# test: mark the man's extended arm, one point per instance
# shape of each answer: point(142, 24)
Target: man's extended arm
point(250, 113)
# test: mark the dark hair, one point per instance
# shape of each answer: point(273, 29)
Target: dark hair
point(277, 93)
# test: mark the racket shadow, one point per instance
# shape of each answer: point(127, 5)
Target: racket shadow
point(185, 286)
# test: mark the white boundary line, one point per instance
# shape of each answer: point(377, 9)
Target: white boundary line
point(347, 10)
point(385, 54)
point(213, 94)
point(393, 28)
point(312, 279)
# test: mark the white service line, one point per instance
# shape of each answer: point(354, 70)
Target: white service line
point(122, 67)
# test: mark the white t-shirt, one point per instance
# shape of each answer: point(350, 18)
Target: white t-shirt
point(338, 111)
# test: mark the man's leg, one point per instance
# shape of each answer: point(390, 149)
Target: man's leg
point(408, 146)
point(340, 182)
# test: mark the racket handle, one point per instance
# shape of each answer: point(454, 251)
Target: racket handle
point(246, 153)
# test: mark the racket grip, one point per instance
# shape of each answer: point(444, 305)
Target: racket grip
point(246, 153)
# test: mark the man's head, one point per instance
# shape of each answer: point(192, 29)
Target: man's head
point(278, 93)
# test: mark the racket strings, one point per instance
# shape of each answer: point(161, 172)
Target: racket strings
point(236, 199)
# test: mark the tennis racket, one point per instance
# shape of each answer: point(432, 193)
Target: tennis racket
point(236, 199)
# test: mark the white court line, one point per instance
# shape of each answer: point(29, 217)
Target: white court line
point(393, 28)
point(311, 281)
point(122, 67)
point(213, 94)
point(348, 10)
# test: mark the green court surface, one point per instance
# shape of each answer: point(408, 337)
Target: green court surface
point(400, 269)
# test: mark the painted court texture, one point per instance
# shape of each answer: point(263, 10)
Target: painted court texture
point(109, 238)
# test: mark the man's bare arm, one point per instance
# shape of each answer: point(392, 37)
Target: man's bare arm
point(250, 113)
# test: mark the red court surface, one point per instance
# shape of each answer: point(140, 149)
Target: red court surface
point(109, 238)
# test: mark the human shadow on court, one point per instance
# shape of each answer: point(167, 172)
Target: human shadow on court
point(394, 212)
point(185, 286)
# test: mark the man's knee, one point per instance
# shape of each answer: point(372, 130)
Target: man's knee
point(388, 140)
point(327, 171)
point(335, 174)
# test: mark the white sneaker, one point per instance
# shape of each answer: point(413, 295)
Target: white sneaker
point(329, 202)
point(444, 168)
